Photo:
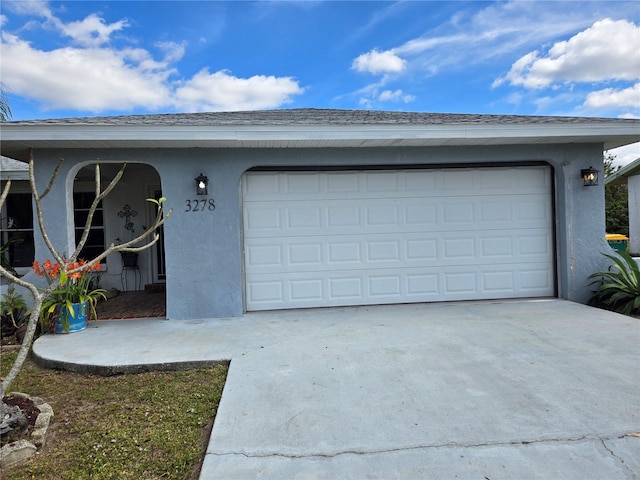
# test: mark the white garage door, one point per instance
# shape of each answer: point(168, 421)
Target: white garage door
point(315, 239)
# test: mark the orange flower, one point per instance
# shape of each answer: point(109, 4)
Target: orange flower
point(47, 265)
point(36, 268)
point(52, 270)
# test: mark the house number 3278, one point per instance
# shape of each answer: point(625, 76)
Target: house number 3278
point(200, 205)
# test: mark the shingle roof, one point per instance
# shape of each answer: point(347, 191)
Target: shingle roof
point(317, 117)
point(310, 128)
point(10, 168)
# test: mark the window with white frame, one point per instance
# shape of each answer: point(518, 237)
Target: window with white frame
point(16, 230)
point(95, 244)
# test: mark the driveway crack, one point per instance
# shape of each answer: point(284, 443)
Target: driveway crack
point(618, 460)
point(420, 447)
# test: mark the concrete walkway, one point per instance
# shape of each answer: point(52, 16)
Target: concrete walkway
point(521, 389)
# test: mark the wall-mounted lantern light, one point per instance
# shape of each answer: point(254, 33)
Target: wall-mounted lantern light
point(589, 176)
point(202, 181)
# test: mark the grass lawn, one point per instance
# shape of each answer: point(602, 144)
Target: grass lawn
point(143, 426)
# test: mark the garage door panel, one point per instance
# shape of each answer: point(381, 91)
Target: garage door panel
point(499, 283)
point(270, 186)
point(381, 181)
point(302, 183)
point(341, 252)
point(341, 183)
point(421, 249)
point(306, 255)
point(534, 245)
point(446, 214)
point(268, 256)
point(535, 280)
point(306, 290)
point(260, 186)
point(365, 287)
point(357, 238)
point(387, 251)
point(309, 218)
point(266, 293)
point(531, 210)
point(281, 255)
point(262, 221)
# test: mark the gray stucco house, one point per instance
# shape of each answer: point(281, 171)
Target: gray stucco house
point(630, 174)
point(315, 208)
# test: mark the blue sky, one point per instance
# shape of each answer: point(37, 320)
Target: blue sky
point(78, 58)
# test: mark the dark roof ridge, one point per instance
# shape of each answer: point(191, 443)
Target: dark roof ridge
point(315, 116)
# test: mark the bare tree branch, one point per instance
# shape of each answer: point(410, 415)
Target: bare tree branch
point(52, 180)
point(38, 199)
point(5, 193)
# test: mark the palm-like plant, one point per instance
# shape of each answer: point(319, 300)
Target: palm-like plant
point(619, 287)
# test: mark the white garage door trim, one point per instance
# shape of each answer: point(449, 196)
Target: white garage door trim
point(337, 238)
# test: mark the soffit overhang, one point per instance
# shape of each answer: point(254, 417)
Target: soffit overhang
point(17, 138)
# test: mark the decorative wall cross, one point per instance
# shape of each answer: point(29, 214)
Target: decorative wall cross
point(127, 212)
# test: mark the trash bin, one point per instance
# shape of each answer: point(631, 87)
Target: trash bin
point(620, 243)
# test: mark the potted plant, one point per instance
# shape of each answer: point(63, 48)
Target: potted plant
point(72, 301)
point(13, 314)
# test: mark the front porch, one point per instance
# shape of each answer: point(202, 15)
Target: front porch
point(135, 304)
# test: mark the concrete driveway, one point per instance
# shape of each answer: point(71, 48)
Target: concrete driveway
point(522, 389)
point(517, 390)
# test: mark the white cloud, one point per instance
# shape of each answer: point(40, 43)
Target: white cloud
point(498, 32)
point(95, 77)
point(421, 45)
point(29, 7)
point(91, 31)
point(474, 36)
point(614, 98)
point(223, 91)
point(602, 52)
point(390, 95)
point(173, 51)
point(395, 96)
point(379, 62)
point(84, 79)
point(625, 155)
point(372, 96)
point(365, 103)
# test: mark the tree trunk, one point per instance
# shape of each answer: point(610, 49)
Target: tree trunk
point(25, 347)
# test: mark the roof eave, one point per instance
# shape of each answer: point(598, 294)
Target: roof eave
point(622, 175)
point(17, 139)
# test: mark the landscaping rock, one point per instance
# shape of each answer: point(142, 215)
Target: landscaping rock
point(37, 414)
point(39, 432)
point(12, 419)
point(16, 452)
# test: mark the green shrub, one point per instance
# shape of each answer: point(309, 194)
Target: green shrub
point(619, 287)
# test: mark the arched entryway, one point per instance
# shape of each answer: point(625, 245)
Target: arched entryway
point(123, 214)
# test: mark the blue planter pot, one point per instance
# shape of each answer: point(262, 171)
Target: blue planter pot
point(77, 320)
